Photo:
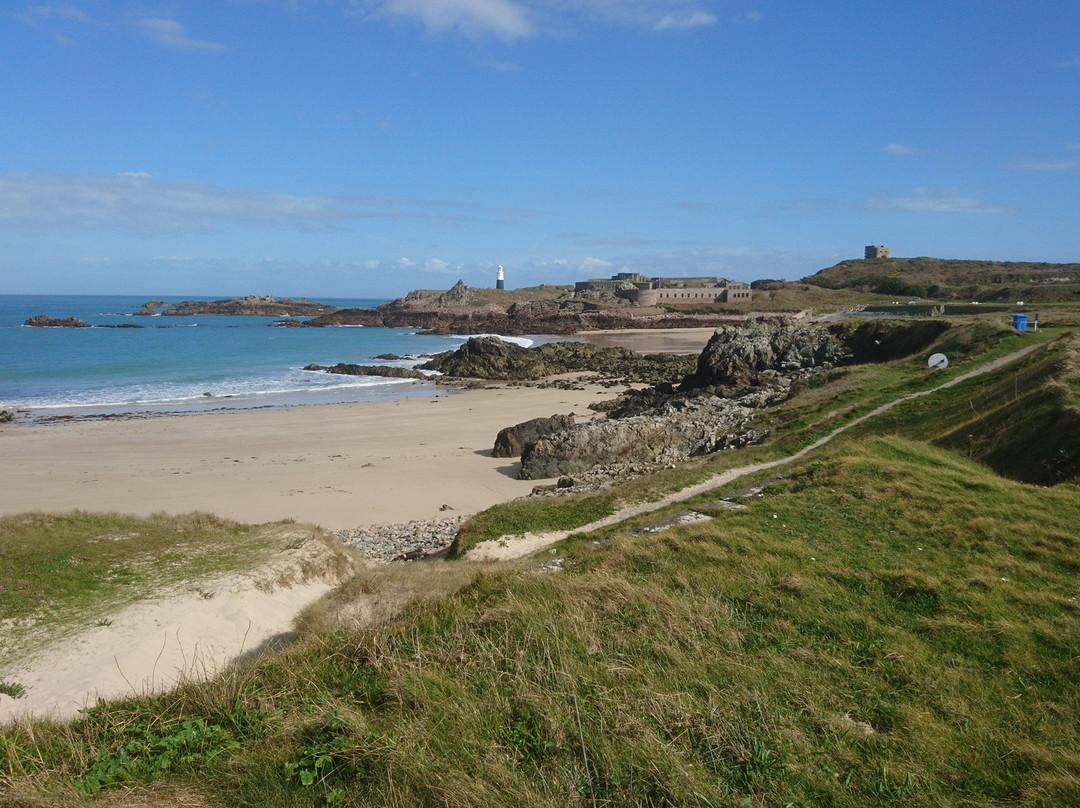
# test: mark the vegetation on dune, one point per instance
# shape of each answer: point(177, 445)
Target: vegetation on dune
point(890, 622)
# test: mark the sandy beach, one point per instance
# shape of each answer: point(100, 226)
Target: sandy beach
point(337, 466)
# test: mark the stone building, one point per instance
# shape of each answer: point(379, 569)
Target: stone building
point(644, 291)
point(877, 251)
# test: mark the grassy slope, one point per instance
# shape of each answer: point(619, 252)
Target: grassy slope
point(892, 624)
point(960, 279)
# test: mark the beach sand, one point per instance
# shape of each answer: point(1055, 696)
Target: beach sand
point(337, 466)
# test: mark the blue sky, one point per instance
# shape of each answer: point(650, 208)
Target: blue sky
point(363, 148)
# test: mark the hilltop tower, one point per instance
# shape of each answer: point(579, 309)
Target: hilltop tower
point(499, 283)
point(876, 251)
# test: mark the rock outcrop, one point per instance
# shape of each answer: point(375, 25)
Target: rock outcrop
point(740, 371)
point(42, 321)
point(388, 371)
point(255, 305)
point(493, 358)
point(513, 439)
point(709, 425)
point(738, 358)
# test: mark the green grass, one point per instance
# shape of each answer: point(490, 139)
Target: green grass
point(889, 624)
point(64, 572)
point(533, 515)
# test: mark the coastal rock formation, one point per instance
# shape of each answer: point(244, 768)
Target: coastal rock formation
point(465, 310)
point(42, 321)
point(707, 425)
point(740, 371)
point(346, 369)
point(257, 305)
point(493, 358)
point(513, 439)
point(737, 358)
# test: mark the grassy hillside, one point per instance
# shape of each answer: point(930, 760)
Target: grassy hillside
point(942, 279)
point(890, 622)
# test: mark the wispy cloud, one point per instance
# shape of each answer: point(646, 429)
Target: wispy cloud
point(69, 13)
point(931, 200)
point(140, 204)
point(511, 20)
point(502, 19)
point(900, 148)
point(677, 22)
point(172, 34)
point(919, 200)
point(1048, 165)
point(748, 17)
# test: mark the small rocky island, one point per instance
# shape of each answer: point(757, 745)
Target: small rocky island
point(44, 321)
point(256, 305)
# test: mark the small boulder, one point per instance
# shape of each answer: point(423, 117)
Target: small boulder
point(512, 440)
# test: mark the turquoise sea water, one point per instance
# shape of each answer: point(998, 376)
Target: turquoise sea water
point(188, 364)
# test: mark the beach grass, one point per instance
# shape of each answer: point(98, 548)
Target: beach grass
point(61, 573)
point(889, 622)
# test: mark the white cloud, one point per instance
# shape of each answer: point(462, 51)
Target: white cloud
point(510, 20)
point(930, 200)
point(136, 202)
point(173, 34)
point(594, 264)
point(475, 19)
point(676, 22)
point(70, 13)
point(1049, 165)
point(900, 148)
point(436, 264)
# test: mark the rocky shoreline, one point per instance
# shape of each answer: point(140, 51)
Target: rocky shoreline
point(687, 411)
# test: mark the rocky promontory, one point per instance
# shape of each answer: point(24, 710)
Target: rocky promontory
point(707, 408)
point(42, 321)
point(256, 305)
point(463, 310)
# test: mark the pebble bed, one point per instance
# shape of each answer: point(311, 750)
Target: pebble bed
point(403, 541)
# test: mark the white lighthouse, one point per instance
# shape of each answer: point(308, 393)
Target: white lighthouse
point(499, 284)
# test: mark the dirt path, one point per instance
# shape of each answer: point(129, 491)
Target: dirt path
point(509, 547)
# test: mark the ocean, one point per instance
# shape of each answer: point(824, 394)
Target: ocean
point(190, 364)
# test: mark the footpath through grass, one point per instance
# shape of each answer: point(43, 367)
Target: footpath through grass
point(891, 625)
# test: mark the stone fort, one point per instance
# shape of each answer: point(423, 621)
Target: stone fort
point(644, 291)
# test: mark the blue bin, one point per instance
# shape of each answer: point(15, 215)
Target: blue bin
point(1020, 322)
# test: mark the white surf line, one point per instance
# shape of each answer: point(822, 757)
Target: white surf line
point(509, 547)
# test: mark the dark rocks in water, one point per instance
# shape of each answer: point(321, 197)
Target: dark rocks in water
point(346, 369)
point(512, 440)
point(493, 358)
point(256, 305)
point(6, 416)
point(42, 321)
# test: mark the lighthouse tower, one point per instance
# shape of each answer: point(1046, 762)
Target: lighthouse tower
point(499, 284)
